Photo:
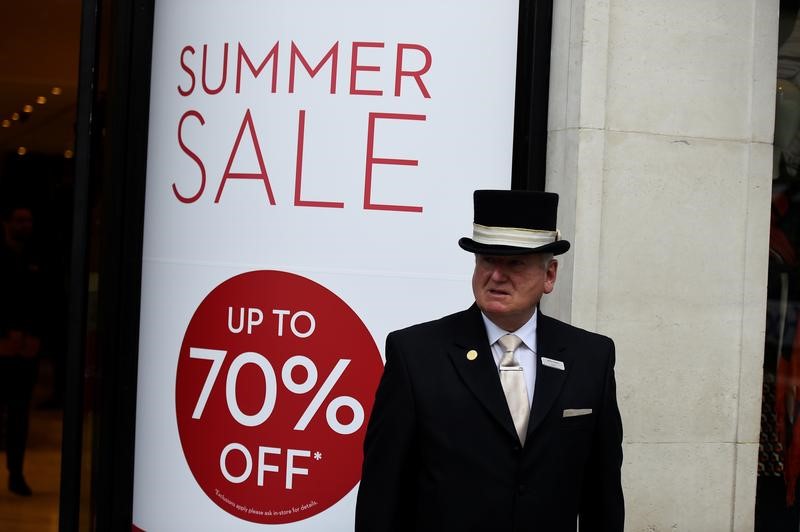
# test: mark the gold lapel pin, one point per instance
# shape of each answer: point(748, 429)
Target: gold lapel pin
point(472, 354)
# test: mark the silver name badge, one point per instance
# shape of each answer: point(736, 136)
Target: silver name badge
point(552, 363)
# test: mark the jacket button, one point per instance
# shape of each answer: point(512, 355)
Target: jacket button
point(521, 488)
point(516, 448)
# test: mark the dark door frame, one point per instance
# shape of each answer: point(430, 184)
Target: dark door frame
point(111, 152)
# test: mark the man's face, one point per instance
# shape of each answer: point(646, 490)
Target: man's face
point(507, 289)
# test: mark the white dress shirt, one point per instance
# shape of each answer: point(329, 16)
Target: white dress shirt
point(525, 353)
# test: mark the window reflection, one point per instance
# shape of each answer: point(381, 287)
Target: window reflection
point(779, 443)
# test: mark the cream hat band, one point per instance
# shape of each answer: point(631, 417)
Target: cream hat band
point(513, 236)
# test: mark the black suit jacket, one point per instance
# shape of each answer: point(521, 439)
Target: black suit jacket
point(441, 452)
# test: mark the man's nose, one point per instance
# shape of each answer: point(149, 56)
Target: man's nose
point(498, 273)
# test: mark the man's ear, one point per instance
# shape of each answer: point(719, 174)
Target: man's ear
point(550, 274)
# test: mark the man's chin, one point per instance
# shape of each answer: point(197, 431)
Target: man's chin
point(497, 303)
point(494, 310)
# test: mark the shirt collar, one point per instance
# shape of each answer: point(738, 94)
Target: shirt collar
point(527, 332)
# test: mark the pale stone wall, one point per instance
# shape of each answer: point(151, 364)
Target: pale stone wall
point(660, 145)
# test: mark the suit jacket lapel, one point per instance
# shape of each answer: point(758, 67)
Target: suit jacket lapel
point(480, 375)
point(549, 380)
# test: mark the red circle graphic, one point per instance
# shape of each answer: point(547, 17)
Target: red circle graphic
point(274, 386)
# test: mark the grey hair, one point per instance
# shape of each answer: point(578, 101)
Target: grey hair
point(547, 258)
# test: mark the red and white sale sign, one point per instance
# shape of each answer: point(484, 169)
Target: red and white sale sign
point(274, 386)
point(310, 169)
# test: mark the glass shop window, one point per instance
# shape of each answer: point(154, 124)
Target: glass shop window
point(777, 493)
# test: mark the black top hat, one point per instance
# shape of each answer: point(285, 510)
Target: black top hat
point(514, 222)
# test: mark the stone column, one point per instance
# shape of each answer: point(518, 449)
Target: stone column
point(660, 145)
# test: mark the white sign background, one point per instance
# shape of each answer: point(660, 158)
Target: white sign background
point(392, 268)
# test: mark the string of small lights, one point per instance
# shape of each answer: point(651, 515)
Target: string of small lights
point(21, 116)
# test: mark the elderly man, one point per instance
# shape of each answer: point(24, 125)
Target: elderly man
point(497, 418)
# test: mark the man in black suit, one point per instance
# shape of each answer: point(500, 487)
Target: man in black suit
point(497, 418)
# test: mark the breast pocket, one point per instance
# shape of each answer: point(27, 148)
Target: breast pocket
point(577, 420)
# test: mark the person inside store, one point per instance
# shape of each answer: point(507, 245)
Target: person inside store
point(497, 417)
point(20, 293)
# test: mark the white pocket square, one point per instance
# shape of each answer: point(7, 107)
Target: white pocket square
point(572, 412)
